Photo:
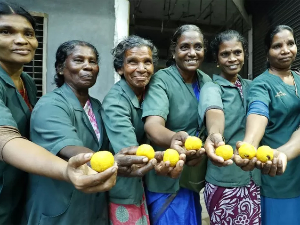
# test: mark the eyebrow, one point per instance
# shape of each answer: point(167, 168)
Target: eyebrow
point(11, 27)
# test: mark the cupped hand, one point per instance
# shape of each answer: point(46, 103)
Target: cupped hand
point(245, 164)
point(193, 157)
point(212, 142)
point(165, 169)
point(131, 165)
point(275, 167)
point(86, 179)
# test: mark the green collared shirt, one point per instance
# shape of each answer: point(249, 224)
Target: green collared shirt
point(59, 120)
point(174, 100)
point(223, 95)
point(14, 112)
point(284, 119)
point(122, 116)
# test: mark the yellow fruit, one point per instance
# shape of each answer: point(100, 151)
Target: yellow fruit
point(193, 143)
point(172, 156)
point(225, 151)
point(102, 160)
point(264, 153)
point(145, 150)
point(247, 151)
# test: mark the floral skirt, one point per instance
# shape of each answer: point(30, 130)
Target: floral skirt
point(121, 214)
point(233, 206)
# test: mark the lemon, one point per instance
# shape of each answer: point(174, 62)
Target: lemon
point(264, 153)
point(145, 150)
point(193, 143)
point(247, 151)
point(172, 156)
point(102, 160)
point(225, 151)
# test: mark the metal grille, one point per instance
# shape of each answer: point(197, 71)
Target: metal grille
point(35, 67)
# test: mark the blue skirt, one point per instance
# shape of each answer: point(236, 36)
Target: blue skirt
point(277, 211)
point(185, 208)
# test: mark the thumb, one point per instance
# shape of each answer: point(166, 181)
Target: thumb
point(79, 160)
point(217, 139)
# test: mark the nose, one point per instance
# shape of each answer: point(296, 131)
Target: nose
point(232, 58)
point(192, 52)
point(141, 67)
point(285, 49)
point(87, 66)
point(19, 39)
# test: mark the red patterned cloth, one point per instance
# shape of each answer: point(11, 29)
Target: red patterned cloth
point(25, 97)
point(89, 112)
point(233, 206)
point(238, 84)
point(121, 214)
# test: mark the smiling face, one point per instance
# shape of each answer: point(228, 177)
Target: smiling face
point(189, 52)
point(283, 50)
point(17, 40)
point(231, 58)
point(137, 68)
point(81, 68)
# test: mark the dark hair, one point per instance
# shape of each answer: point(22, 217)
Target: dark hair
point(177, 34)
point(14, 9)
point(62, 53)
point(227, 36)
point(128, 43)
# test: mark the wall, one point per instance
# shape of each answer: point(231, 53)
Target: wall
point(92, 21)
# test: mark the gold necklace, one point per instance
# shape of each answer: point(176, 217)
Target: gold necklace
point(295, 85)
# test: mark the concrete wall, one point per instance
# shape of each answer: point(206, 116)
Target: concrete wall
point(92, 21)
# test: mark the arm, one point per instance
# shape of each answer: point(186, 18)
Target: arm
point(292, 147)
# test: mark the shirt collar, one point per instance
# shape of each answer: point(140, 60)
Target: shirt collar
point(129, 92)
point(223, 82)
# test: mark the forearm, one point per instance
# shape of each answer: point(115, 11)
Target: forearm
point(255, 129)
point(27, 156)
point(158, 134)
point(70, 151)
point(215, 121)
point(292, 147)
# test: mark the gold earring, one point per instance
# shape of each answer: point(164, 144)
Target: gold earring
point(217, 65)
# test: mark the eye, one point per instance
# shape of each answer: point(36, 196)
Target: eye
point(148, 62)
point(224, 54)
point(238, 52)
point(78, 60)
point(93, 62)
point(184, 47)
point(29, 34)
point(291, 43)
point(4, 31)
point(276, 46)
point(198, 47)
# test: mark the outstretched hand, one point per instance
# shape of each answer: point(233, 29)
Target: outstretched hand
point(245, 164)
point(212, 142)
point(86, 179)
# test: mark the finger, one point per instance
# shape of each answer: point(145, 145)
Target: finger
point(175, 173)
point(128, 160)
point(273, 169)
point(217, 139)
point(105, 186)
point(251, 165)
point(129, 150)
point(259, 165)
point(190, 153)
point(159, 156)
point(80, 159)
point(239, 144)
point(145, 169)
point(280, 168)
point(162, 168)
point(266, 167)
point(182, 157)
point(239, 161)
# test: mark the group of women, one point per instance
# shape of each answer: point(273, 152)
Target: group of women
point(67, 125)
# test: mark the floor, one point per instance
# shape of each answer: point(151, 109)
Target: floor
point(205, 217)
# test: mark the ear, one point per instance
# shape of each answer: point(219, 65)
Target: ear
point(59, 69)
point(120, 71)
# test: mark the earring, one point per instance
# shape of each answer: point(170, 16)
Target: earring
point(217, 64)
point(173, 57)
point(60, 73)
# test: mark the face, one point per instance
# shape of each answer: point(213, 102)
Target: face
point(81, 68)
point(283, 50)
point(231, 57)
point(189, 51)
point(17, 40)
point(137, 68)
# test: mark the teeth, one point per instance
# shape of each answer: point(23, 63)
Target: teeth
point(233, 67)
point(191, 60)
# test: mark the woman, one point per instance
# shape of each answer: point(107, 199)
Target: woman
point(272, 118)
point(170, 106)
point(134, 60)
point(223, 109)
point(66, 122)
point(17, 97)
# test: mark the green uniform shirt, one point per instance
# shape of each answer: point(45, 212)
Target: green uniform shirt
point(14, 112)
point(174, 100)
point(122, 116)
point(284, 108)
point(222, 94)
point(58, 120)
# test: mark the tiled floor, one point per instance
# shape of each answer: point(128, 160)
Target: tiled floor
point(205, 217)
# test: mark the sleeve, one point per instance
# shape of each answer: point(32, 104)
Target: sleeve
point(117, 120)
point(258, 108)
point(156, 102)
point(259, 92)
point(210, 98)
point(7, 133)
point(6, 118)
point(51, 126)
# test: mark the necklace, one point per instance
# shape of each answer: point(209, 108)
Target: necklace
point(23, 86)
point(295, 85)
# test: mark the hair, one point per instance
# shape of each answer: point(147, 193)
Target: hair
point(227, 36)
point(177, 34)
point(62, 53)
point(14, 9)
point(270, 35)
point(128, 43)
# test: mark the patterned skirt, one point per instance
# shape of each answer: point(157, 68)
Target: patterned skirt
point(233, 206)
point(121, 214)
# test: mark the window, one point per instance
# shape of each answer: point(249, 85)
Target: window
point(37, 67)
